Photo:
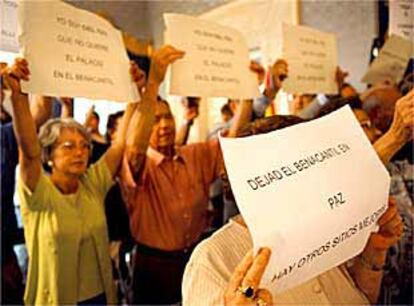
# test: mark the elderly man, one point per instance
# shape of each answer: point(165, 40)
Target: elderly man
point(166, 189)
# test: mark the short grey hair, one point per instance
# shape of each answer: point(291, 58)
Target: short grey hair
point(50, 132)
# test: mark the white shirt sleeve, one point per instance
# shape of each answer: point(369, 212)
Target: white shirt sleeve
point(202, 286)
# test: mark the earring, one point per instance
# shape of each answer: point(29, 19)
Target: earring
point(50, 163)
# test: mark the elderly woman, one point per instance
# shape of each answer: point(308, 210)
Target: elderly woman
point(222, 270)
point(63, 214)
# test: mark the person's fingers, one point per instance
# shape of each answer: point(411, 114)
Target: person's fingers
point(240, 272)
point(407, 116)
point(390, 225)
point(255, 66)
point(174, 56)
point(382, 242)
point(15, 73)
point(264, 297)
point(388, 215)
point(255, 273)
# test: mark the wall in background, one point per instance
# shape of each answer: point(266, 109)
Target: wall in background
point(354, 23)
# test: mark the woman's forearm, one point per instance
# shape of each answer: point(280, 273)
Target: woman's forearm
point(24, 127)
point(367, 272)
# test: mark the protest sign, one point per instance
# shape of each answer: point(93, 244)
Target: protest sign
point(312, 192)
point(264, 19)
point(73, 53)
point(401, 14)
point(216, 61)
point(312, 59)
point(391, 62)
point(8, 26)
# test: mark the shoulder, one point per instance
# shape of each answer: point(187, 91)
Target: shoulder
point(206, 147)
point(213, 261)
point(223, 250)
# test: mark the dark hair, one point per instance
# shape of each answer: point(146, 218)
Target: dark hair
point(336, 103)
point(161, 100)
point(193, 101)
point(344, 85)
point(110, 124)
point(95, 114)
point(112, 119)
point(225, 109)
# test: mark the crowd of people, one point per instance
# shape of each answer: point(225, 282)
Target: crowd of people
point(87, 200)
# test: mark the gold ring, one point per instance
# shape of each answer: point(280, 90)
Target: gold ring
point(260, 302)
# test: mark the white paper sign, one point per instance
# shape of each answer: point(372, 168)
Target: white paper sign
point(8, 26)
point(312, 192)
point(312, 60)
point(391, 62)
point(73, 53)
point(402, 18)
point(264, 19)
point(216, 63)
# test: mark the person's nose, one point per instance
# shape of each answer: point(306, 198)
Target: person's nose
point(80, 150)
point(163, 123)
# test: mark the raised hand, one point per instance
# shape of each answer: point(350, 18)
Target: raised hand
point(18, 71)
point(258, 70)
point(160, 61)
point(402, 126)
point(390, 231)
point(279, 72)
point(340, 76)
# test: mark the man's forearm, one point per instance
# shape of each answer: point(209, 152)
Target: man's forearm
point(140, 128)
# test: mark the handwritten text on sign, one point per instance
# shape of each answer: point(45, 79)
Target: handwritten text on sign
point(216, 63)
point(72, 52)
point(312, 59)
point(311, 192)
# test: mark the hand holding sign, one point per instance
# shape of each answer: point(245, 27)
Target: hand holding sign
point(374, 254)
point(160, 61)
point(390, 231)
point(243, 288)
point(279, 72)
point(19, 71)
point(258, 70)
